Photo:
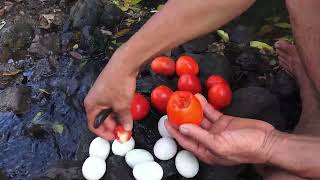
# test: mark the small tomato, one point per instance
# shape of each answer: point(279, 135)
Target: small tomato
point(163, 66)
point(215, 79)
point(121, 134)
point(220, 96)
point(186, 65)
point(189, 82)
point(139, 107)
point(160, 97)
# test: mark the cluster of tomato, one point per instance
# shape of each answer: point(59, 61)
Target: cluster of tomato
point(181, 106)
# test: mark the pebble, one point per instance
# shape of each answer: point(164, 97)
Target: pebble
point(165, 148)
point(100, 148)
point(148, 171)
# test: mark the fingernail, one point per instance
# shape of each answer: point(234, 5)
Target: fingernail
point(184, 130)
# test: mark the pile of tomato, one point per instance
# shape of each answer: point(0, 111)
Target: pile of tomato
point(182, 106)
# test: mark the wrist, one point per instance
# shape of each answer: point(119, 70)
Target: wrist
point(275, 140)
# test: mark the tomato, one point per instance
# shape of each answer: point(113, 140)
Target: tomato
point(215, 79)
point(139, 107)
point(183, 107)
point(220, 96)
point(160, 97)
point(121, 134)
point(163, 66)
point(189, 82)
point(186, 65)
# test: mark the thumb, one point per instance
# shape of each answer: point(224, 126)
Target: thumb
point(198, 134)
point(124, 117)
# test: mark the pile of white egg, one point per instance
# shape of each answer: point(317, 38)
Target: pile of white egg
point(140, 160)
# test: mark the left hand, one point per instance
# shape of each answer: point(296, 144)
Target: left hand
point(225, 139)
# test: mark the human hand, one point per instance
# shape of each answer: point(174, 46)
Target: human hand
point(114, 88)
point(225, 139)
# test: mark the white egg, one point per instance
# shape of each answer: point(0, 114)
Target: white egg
point(121, 149)
point(162, 128)
point(165, 148)
point(187, 164)
point(99, 147)
point(93, 168)
point(137, 156)
point(148, 171)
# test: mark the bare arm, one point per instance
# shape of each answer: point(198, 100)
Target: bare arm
point(297, 154)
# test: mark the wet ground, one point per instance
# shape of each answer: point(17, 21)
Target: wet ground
point(52, 51)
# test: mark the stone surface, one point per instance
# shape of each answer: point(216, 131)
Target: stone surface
point(256, 103)
point(219, 172)
point(169, 168)
point(283, 85)
point(249, 60)
point(241, 34)
point(111, 16)
point(45, 45)
point(117, 169)
point(92, 41)
point(15, 99)
point(199, 44)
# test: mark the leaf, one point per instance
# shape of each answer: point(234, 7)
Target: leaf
point(122, 33)
point(58, 128)
point(223, 35)
point(273, 19)
point(37, 116)
point(283, 25)
point(11, 73)
point(133, 2)
point(261, 45)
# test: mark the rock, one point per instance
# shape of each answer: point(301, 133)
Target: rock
point(65, 39)
point(147, 83)
point(256, 103)
point(3, 177)
point(41, 70)
point(111, 16)
point(16, 39)
point(117, 169)
point(92, 40)
point(15, 99)
point(82, 152)
point(8, 6)
point(249, 60)
point(2, 12)
point(210, 64)
point(45, 45)
point(219, 172)
point(241, 34)
point(169, 168)
point(283, 85)
point(85, 13)
point(199, 44)
point(64, 169)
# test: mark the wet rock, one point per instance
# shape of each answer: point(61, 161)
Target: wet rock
point(65, 40)
point(117, 169)
point(111, 16)
point(241, 34)
point(249, 60)
point(199, 44)
point(92, 40)
point(169, 168)
point(211, 63)
point(15, 41)
point(147, 83)
point(283, 85)
point(45, 45)
point(15, 99)
point(83, 147)
point(85, 13)
point(219, 172)
point(256, 103)
point(66, 170)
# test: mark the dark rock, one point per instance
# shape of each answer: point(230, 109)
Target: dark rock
point(147, 83)
point(219, 172)
point(65, 40)
point(41, 69)
point(199, 44)
point(17, 39)
point(45, 45)
point(249, 60)
point(13, 75)
point(256, 103)
point(85, 13)
point(117, 169)
point(92, 40)
point(111, 16)
point(15, 99)
point(83, 147)
point(66, 170)
point(283, 85)
point(169, 168)
point(211, 64)
point(241, 34)
point(3, 177)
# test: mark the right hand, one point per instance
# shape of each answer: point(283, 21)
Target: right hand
point(114, 88)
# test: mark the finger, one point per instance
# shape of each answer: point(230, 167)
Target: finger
point(206, 124)
point(202, 99)
point(125, 118)
point(211, 114)
point(104, 130)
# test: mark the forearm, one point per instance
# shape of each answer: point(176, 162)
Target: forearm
point(178, 21)
point(297, 154)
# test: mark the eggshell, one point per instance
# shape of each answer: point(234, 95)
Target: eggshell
point(99, 147)
point(121, 149)
point(93, 168)
point(148, 171)
point(162, 128)
point(137, 156)
point(165, 148)
point(187, 164)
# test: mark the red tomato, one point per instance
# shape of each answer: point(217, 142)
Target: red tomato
point(215, 79)
point(121, 134)
point(139, 107)
point(220, 96)
point(160, 97)
point(186, 65)
point(183, 107)
point(191, 83)
point(163, 66)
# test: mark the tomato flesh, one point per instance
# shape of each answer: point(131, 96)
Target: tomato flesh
point(220, 96)
point(189, 82)
point(186, 65)
point(163, 66)
point(160, 97)
point(121, 134)
point(183, 107)
point(139, 107)
point(215, 79)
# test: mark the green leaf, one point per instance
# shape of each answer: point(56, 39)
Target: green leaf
point(283, 25)
point(261, 45)
point(133, 2)
point(223, 35)
point(58, 128)
point(37, 116)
